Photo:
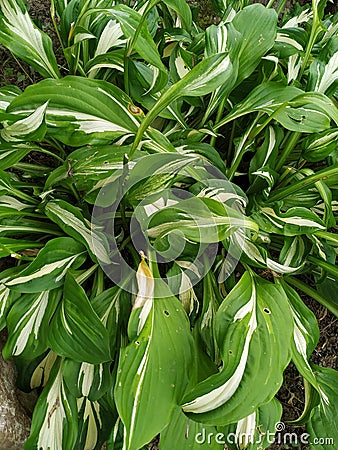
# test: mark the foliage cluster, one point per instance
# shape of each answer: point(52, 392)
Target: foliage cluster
point(161, 197)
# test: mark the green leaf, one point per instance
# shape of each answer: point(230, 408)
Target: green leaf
point(258, 27)
point(76, 331)
point(31, 127)
point(131, 21)
point(322, 429)
point(81, 111)
point(254, 319)
point(183, 10)
point(11, 154)
point(305, 334)
point(7, 93)
point(19, 34)
point(50, 266)
point(71, 221)
point(87, 380)
point(294, 221)
point(155, 365)
point(202, 220)
point(255, 431)
point(95, 423)
point(7, 297)
point(184, 433)
point(28, 324)
point(54, 423)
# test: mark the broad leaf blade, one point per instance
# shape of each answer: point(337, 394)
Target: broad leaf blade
point(19, 34)
point(76, 331)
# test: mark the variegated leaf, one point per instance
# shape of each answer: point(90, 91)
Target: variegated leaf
point(50, 266)
point(30, 128)
point(55, 421)
point(22, 37)
point(95, 423)
point(256, 431)
point(249, 322)
point(28, 324)
point(81, 111)
point(71, 221)
point(154, 365)
point(87, 380)
point(76, 331)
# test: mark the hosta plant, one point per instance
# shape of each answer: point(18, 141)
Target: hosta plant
point(166, 192)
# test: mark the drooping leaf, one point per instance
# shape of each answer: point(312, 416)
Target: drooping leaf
point(322, 429)
point(55, 423)
point(22, 37)
point(28, 324)
point(250, 310)
point(70, 219)
point(154, 365)
point(75, 330)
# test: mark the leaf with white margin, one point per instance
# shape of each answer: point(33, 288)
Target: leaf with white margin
point(81, 111)
point(71, 221)
point(28, 324)
point(7, 93)
point(50, 266)
point(31, 127)
point(22, 37)
point(155, 365)
point(254, 319)
point(55, 417)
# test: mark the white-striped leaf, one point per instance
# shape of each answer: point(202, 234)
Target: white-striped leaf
point(254, 319)
point(22, 37)
point(256, 431)
point(50, 266)
point(55, 418)
point(7, 297)
point(322, 429)
point(130, 21)
point(28, 324)
point(11, 154)
point(95, 423)
point(154, 365)
point(203, 220)
point(71, 221)
point(7, 93)
point(76, 331)
point(305, 334)
point(31, 127)
point(81, 111)
point(87, 380)
point(294, 221)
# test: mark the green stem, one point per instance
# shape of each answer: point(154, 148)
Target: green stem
point(241, 150)
point(279, 194)
point(218, 118)
point(56, 29)
point(330, 268)
point(312, 293)
point(290, 145)
point(316, 27)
